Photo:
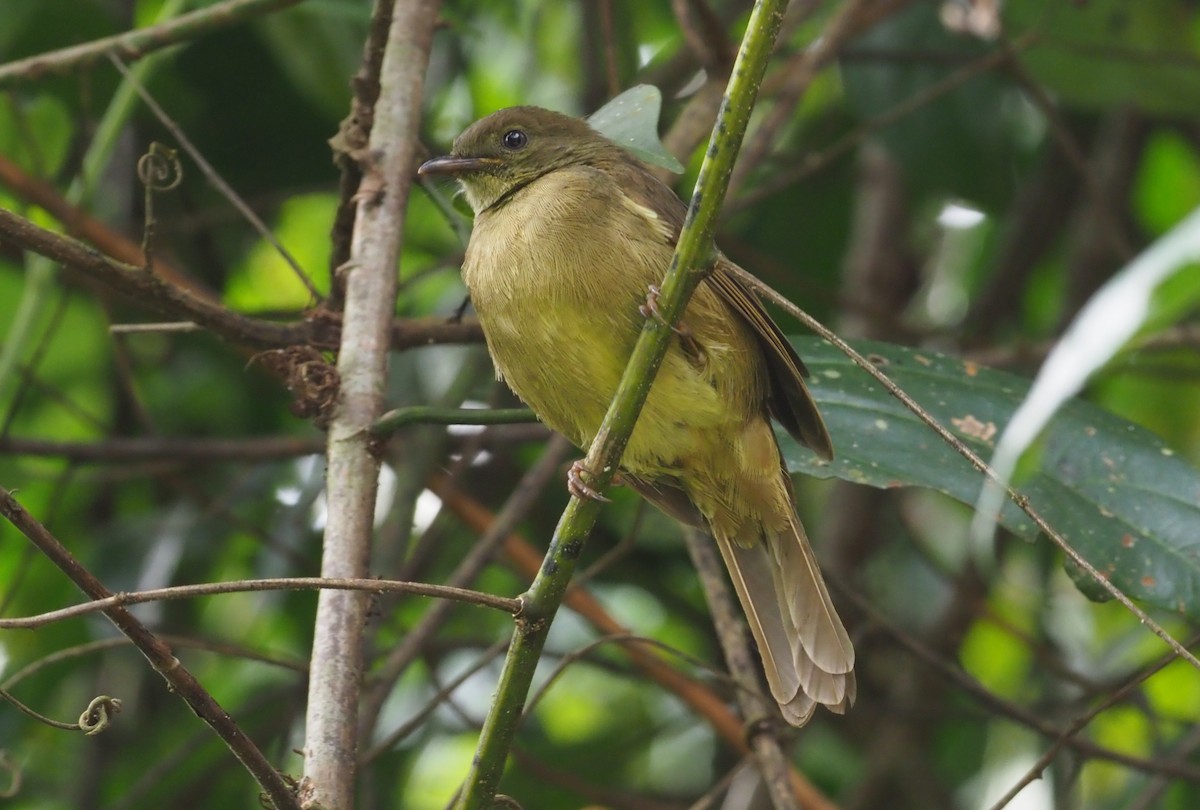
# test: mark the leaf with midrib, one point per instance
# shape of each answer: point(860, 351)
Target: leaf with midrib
point(1114, 490)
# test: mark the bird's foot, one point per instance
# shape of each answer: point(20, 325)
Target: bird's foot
point(578, 487)
point(687, 340)
point(650, 308)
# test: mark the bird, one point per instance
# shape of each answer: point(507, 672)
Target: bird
point(571, 232)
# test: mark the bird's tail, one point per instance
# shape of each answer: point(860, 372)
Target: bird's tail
point(807, 655)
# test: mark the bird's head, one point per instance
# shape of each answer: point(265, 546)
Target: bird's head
point(511, 148)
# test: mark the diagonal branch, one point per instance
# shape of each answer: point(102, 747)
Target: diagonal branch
point(1018, 498)
point(192, 304)
point(689, 266)
point(158, 653)
point(135, 44)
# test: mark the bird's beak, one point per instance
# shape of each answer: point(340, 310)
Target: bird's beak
point(451, 165)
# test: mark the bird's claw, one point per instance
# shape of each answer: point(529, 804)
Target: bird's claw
point(688, 341)
point(650, 310)
point(579, 488)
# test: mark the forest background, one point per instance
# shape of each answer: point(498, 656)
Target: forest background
point(946, 184)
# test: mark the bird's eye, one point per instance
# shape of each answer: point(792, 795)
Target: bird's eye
point(514, 139)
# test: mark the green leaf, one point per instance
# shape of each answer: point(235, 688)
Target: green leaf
point(1101, 329)
point(1113, 489)
point(631, 119)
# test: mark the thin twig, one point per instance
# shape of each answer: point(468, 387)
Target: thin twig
point(1151, 796)
point(1079, 723)
point(1022, 501)
point(349, 143)
point(518, 505)
point(797, 77)
point(528, 561)
point(392, 421)
point(159, 654)
point(439, 697)
point(817, 161)
point(988, 699)
point(1112, 229)
point(142, 328)
point(82, 225)
point(135, 44)
point(512, 606)
point(185, 303)
point(219, 647)
point(215, 179)
point(155, 448)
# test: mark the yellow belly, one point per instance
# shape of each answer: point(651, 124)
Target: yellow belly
point(559, 308)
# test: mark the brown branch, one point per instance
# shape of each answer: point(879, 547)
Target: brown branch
point(149, 289)
point(435, 330)
point(1181, 336)
point(853, 18)
point(137, 43)
point(817, 161)
point(1032, 720)
point(214, 179)
point(1111, 228)
point(158, 448)
point(219, 647)
point(1079, 723)
point(82, 225)
point(1031, 228)
point(349, 143)
point(787, 789)
point(335, 673)
point(159, 654)
point(595, 795)
point(706, 34)
point(190, 304)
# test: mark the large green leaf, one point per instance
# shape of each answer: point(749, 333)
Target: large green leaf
point(1113, 489)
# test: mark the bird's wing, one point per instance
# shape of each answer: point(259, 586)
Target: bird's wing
point(788, 399)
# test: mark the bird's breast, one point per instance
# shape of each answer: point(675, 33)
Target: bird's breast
point(556, 275)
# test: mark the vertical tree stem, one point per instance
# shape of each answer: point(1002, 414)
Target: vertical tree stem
point(353, 468)
point(690, 264)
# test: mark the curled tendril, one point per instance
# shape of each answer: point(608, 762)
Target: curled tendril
point(159, 169)
point(14, 775)
point(99, 714)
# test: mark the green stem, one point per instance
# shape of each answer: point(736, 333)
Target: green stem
point(691, 263)
point(393, 420)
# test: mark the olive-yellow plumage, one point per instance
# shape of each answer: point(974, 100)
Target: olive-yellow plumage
point(570, 232)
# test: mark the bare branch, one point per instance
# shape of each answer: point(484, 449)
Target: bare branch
point(159, 654)
point(98, 605)
point(137, 43)
point(353, 468)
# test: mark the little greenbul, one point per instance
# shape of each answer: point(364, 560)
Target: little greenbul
point(571, 230)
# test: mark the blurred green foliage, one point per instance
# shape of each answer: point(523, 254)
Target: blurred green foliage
point(260, 100)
